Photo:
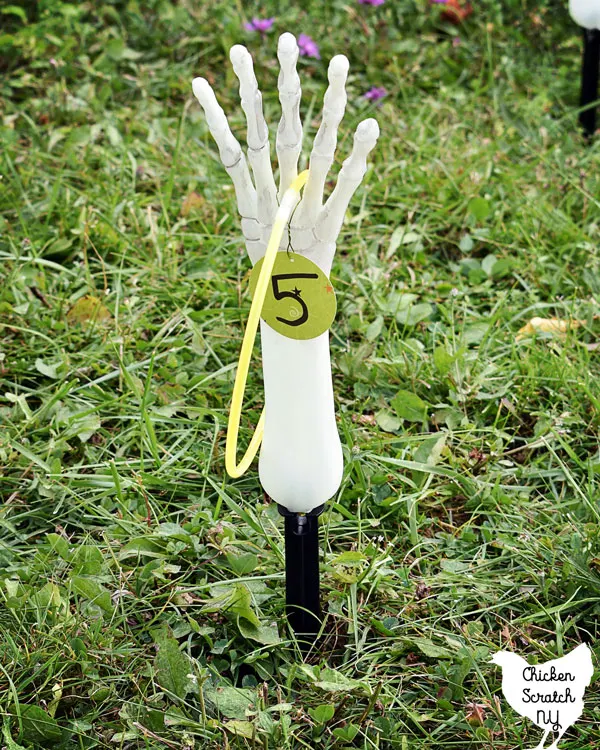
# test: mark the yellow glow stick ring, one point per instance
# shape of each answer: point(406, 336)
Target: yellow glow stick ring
point(281, 219)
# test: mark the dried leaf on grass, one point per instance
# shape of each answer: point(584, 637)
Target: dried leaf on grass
point(547, 325)
point(475, 714)
point(88, 309)
point(192, 201)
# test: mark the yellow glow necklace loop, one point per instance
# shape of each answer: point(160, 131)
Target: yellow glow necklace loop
point(281, 219)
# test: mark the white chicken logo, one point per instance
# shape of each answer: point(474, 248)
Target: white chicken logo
point(550, 694)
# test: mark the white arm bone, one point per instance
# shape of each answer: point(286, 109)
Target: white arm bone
point(231, 155)
point(351, 174)
point(301, 462)
point(289, 132)
point(259, 154)
point(323, 151)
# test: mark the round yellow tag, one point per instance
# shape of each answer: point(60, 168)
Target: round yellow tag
point(300, 301)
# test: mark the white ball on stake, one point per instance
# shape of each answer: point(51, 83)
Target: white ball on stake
point(585, 13)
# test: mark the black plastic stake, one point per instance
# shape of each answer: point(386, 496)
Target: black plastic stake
point(302, 585)
point(589, 80)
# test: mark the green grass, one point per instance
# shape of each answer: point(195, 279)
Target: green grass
point(141, 590)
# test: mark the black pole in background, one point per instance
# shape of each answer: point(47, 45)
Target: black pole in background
point(302, 587)
point(589, 80)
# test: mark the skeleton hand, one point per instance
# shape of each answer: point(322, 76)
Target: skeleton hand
point(301, 459)
point(315, 226)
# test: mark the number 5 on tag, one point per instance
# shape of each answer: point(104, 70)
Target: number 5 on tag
point(300, 301)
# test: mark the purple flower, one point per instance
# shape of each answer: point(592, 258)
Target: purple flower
point(371, 2)
point(375, 93)
point(259, 24)
point(308, 47)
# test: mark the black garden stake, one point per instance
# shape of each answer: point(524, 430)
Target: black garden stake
point(302, 588)
point(589, 81)
point(586, 13)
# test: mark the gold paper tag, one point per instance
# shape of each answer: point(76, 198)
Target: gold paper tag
point(300, 301)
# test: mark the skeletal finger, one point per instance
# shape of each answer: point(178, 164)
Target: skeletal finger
point(259, 154)
point(289, 132)
point(321, 158)
point(331, 216)
point(231, 155)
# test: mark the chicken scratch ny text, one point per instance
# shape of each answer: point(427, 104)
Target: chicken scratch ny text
point(532, 674)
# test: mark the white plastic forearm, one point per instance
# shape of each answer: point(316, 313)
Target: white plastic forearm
point(300, 463)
